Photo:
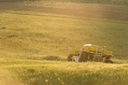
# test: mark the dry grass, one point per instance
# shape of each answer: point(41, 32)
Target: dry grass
point(31, 36)
point(7, 78)
point(37, 34)
point(35, 72)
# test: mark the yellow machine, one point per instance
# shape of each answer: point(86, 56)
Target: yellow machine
point(90, 52)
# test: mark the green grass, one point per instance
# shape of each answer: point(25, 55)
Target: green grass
point(35, 72)
point(34, 44)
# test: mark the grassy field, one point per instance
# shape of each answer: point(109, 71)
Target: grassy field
point(35, 72)
point(122, 2)
point(36, 37)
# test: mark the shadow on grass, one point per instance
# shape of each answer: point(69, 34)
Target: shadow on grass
point(48, 58)
point(53, 58)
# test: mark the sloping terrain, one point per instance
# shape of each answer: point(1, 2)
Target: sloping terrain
point(36, 37)
point(37, 29)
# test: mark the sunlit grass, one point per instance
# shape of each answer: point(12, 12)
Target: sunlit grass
point(77, 1)
point(35, 72)
point(29, 34)
point(34, 46)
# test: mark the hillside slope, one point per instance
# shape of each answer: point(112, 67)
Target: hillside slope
point(36, 37)
point(35, 29)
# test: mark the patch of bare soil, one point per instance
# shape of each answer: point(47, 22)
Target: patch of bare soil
point(74, 9)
